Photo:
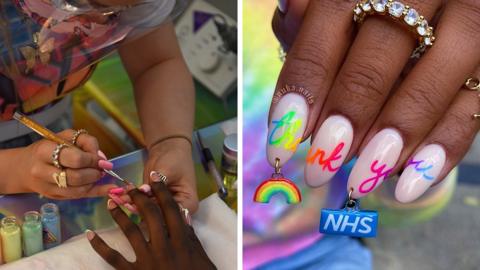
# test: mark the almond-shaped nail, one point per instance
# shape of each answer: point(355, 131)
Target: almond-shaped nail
point(116, 199)
point(145, 188)
point(328, 151)
point(111, 204)
point(286, 128)
point(101, 154)
point(131, 208)
point(376, 162)
point(283, 5)
point(90, 234)
point(117, 191)
point(420, 173)
point(107, 165)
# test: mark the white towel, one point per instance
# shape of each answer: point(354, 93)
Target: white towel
point(214, 223)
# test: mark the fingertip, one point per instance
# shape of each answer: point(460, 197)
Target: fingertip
point(90, 234)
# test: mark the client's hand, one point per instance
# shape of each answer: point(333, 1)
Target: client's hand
point(172, 244)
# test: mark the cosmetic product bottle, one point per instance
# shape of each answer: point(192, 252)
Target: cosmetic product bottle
point(32, 233)
point(11, 239)
point(52, 235)
point(229, 168)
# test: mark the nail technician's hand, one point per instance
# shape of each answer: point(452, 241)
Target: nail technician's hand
point(173, 158)
point(82, 167)
point(343, 90)
point(172, 245)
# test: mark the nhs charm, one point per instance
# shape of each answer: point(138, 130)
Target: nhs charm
point(349, 221)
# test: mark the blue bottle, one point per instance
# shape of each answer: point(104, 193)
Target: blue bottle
point(52, 234)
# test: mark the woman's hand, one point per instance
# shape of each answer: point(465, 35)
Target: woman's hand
point(343, 90)
point(172, 244)
point(83, 168)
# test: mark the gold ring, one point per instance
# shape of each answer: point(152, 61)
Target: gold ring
point(473, 84)
point(399, 12)
point(77, 134)
point(56, 155)
point(60, 179)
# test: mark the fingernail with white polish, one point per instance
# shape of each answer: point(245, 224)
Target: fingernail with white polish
point(329, 149)
point(376, 162)
point(286, 127)
point(420, 173)
point(283, 5)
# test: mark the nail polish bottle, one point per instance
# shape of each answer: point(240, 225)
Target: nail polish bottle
point(32, 233)
point(11, 239)
point(52, 235)
point(229, 169)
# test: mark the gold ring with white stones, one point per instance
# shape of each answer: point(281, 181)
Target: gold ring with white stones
point(400, 12)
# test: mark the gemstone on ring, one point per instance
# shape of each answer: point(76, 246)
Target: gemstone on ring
point(422, 28)
point(366, 6)
point(412, 17)
point(396, 9)
point(379, 5)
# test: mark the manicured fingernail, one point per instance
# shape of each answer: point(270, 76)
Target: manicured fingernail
point(111, 205)
point(283, 5)
point(420, 173)
point(329, 149)
point(90, 234)
point(102, 155)
point(117, 191)
point(375, 162)
point(145, 188)
point(131, 208)
point(116, 199)
point(286, 127)
point(107, 165)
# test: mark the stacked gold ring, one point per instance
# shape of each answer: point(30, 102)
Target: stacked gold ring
point(399, 12)
point(60, 179)
point(77, 134)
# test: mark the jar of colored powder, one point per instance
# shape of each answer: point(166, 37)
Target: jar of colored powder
point(52, 235)
point(32, 233)
point(11, 239)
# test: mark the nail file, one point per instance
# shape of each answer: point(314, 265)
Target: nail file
point(49, 135)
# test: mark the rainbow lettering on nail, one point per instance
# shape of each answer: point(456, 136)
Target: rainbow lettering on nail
point(287, 139)
point(326, 163)
point(381, 174)
point(274, 186)
point(416, 165)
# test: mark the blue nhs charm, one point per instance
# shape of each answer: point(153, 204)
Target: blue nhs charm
point(349, 221)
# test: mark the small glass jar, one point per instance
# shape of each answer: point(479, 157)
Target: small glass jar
point(11, 239)
point(52, 234)
point(32, 233)
point(229, 169)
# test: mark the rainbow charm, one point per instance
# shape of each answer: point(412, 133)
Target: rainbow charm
point(273, 186)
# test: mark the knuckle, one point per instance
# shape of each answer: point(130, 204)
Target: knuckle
point(469, 22)
point(36, 170)
point(308, 62)
point(364, 81)
point(337, 6)
point(76, 160)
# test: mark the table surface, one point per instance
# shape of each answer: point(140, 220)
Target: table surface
point(79, 215)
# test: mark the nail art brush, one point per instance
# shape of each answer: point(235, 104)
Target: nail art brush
point(207, 157)
point(49, 135)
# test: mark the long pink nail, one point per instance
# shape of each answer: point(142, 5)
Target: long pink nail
point(107, 165)
point(376, 162)
point(329, 149)
point(286, 128)
point(117, 191)
point(283, 5)
point(421, 172)
point(116, 199)
point(101, 154)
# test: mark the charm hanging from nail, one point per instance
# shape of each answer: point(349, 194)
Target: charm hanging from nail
point(277, 184)
point(350, 220)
